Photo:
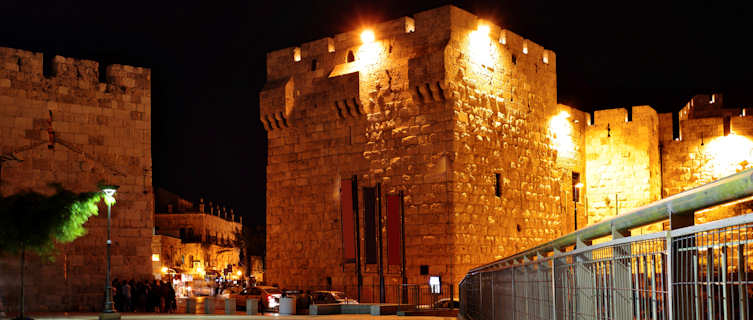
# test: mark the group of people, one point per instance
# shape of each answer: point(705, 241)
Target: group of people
point(144, 296)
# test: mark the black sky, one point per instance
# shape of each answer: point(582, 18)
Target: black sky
point(208, 63)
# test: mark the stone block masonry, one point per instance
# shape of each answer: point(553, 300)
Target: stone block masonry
point(68, 127)
point(462, 117)
point(432, 108)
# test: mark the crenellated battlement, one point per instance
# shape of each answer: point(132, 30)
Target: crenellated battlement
point(316, 73)
point(21, 68)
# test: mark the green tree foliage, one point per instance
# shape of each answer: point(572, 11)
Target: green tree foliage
point(34, 222)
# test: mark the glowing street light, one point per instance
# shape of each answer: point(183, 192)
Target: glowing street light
point(109, 195)
point(367, 36)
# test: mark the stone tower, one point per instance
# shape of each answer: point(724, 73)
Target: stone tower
point(451, 110)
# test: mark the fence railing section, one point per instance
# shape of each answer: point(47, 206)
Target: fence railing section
point(699, 272)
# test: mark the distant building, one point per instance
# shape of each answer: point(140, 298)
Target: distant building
point(196, 239)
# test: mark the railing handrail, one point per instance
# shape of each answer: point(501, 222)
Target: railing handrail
point(726, 189)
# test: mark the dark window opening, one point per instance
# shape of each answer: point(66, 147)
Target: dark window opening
point(514, 59)
point(351, 57)
point(577, 185)
point(497, 184)
point(314, 65)
point(676, 126)
point(47, 70)
point(424, 270)
point(102, 73)
point(629, 115)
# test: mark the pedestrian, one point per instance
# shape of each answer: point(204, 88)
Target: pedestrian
point(142, 293)
point(164, 303)
point(117, 299)
point(171, 298)
point(152, 297)
point(126, 296)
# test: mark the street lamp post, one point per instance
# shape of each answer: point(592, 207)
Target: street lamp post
point(108, 312)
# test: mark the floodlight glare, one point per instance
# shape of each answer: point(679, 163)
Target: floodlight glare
point(367, 36)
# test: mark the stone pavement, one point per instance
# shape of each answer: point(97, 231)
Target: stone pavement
point(93, 316)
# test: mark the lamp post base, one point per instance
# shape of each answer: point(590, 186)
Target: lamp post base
point(109, 316)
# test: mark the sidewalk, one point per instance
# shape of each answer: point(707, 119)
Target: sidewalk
point(178, 316)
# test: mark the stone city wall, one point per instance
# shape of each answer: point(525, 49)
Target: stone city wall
point(504, 93)
point(417, 111)
point(623, 168)
point(102, 131)
point(704, 154)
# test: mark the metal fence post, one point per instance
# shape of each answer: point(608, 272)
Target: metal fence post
point(621, 273)
point(583, 279)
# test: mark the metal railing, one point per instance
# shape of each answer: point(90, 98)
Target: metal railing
point(697, 272)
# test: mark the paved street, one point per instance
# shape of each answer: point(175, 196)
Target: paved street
point(93, 316)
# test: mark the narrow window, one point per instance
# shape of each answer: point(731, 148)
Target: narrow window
point(676, 126)
point(314, 64)
point(47, 70)
point(514, 59)
point(629, 114)
point(497, 185)
point(102, 72)
point(351, 57)
point(424, 270)
point(577, 185)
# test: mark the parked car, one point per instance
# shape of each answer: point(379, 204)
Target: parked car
point(328, 297)
point(227, 292)
point(446, 303)
point(268, 297)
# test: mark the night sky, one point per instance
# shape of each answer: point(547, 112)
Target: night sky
point(208, 63)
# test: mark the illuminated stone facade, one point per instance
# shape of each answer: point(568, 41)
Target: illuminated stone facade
point(194, 238)
point(76, 123)
point(439, 106)
point(434, 107)
point(632, 161)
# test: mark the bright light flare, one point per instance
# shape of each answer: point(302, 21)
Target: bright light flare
point(155, 257)
point(561, 131)
point(728, 155)
point(239, 273)
point(481, 45)
point(367, 36)
point(483, 29)
point(164, 269)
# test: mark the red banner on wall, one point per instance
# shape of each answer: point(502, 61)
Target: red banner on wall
point(394, 231)
point(348, 220)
